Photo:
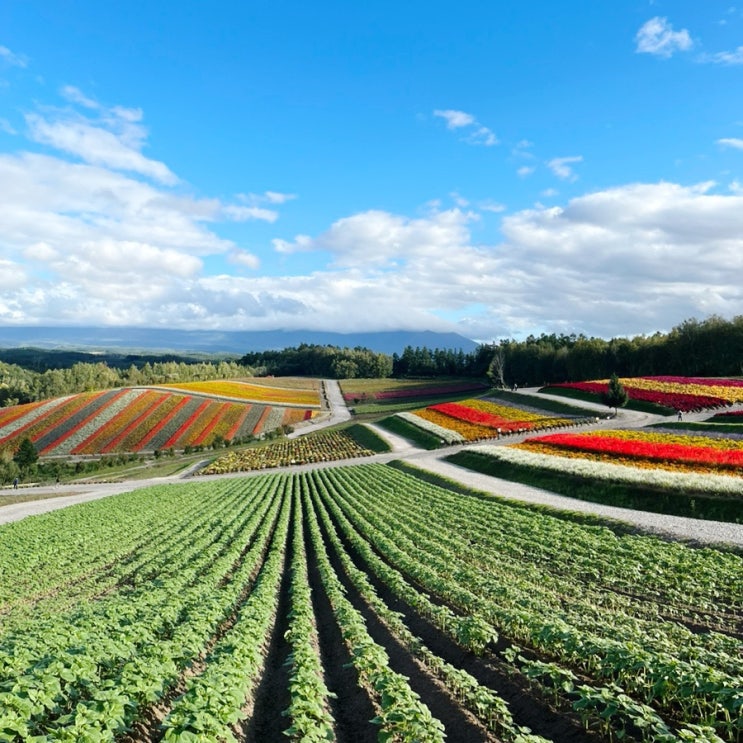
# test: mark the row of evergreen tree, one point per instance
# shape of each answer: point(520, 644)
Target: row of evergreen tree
point(712, 347)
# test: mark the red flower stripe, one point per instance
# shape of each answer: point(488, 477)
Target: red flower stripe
point(65, 434)
point(33, 424)
point(211, 423)
point(14, 412)
point(162, 423)
point(96, 441)
point(307, 415)
point(262, 420)
point(238, 423)
point(187, 424)
point(159, 400)
point(645, 449)
point(63, 414)
point(462, 412)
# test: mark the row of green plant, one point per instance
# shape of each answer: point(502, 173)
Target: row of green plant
point(579, 635)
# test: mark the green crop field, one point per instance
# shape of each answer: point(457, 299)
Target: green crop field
point(358, 604)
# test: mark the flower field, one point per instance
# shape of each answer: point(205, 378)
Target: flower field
point(679, 393)
point(373, 606)
point(247, 391)
point(322, 446)
point(654, 449)
point(366, 391)
point(139, 419)
point(475, 419)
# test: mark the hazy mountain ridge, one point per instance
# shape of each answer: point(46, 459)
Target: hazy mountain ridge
point(220, 341)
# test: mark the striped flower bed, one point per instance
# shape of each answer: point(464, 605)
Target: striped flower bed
point(500, 417)
point(130, 436)
point(696, 453)
point(714, 484)
point(679, 393)
point(20, 425)
point(90, 419)
point(118, 425)
point(445, 434)
point(250, 392)
point(468, 431)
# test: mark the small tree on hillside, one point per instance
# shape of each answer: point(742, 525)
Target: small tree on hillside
point(496, 368)
point(615, 396)
point(26, 456)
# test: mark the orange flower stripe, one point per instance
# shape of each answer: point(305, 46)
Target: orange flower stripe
point(670, 438)
point(253, 392)
point(470, 431)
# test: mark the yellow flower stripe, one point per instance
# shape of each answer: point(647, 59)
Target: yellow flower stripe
point(470, 431)
point(731, 394)
point(510, 413)
point(252, 392)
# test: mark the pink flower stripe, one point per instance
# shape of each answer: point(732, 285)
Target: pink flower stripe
point(730, 414)
point(159, 400)
point(95, 443)
point(182, 430)
point(217, 416)
point(172, 413)
point(479, 417)
point(648, 450)
point(67, 432)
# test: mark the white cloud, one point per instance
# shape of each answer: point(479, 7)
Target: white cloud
point(477, 134)
point(736, 144)
point(525, 170)
point(75, 95)
point(455, 119)
point(725, 58)
point(12, 59)
point(560, 166)
point(492, 206)
point(657, 37)
point(245, 259)
point(238, 213)
point(95, 144)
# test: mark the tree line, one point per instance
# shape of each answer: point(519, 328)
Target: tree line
point(711, 347)
point(20, 385)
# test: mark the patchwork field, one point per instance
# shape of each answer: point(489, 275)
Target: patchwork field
point(146, 419)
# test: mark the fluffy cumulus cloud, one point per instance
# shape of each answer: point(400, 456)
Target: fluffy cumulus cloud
point(657, 37)
point(92, 231)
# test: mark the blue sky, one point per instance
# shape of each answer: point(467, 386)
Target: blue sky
point(494, 169)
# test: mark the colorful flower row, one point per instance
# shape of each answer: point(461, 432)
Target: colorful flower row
point(323, 446)
point(250, 392)
point(500, 417)
point(414, 391)
point(713, 484)
point(445, 434)
point(139, 419)
point(657, 449)
point(684, 401)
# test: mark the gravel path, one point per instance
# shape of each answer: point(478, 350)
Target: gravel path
point(676, 527)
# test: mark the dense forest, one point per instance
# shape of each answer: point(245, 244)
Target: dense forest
point(711, 347)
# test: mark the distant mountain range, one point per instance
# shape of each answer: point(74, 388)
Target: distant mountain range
point(134, 340)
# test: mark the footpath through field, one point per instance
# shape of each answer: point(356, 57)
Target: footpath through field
point(677, 527)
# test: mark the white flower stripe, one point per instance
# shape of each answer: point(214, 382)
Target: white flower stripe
point(93, 425)
point(694, 481)
point(451, 437)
